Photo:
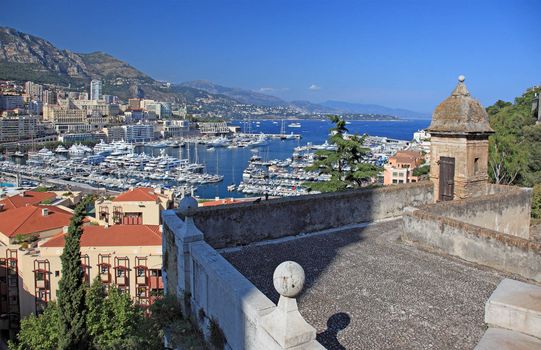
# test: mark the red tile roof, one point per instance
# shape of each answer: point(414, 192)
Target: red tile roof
point(28, 220)
point(223, 202)
point(30, 197)
point(114, 236)
point(139, 194)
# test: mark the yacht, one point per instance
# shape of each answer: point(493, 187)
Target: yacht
point(294, 125)
point(219, 142)
point(61, 150)
point(261, 141)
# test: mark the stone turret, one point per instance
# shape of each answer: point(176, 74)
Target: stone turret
point(459, 146)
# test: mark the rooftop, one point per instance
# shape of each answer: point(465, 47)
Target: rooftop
point(26, 198)
point(30, 219)
point(460, 114)
point(139, 194)
point(114, 236)
point(366, 289)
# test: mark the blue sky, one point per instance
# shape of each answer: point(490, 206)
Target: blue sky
point(396, 53)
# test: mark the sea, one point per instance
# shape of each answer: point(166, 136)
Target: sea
point(231, 162)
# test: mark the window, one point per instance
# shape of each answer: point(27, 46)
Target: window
point(476, 165)
point(156, 272)
point(140, 272)
point(395, 181)
point(57, 273)
point(395, 173)
point(104, 269)
point(40, 276)
point(120, 273)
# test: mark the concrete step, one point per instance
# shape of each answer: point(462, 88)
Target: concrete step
point(516, 306)
point(503, 339)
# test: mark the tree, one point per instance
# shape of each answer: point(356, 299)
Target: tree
point(71, 289)
point(114, 321)
point(514, 156)
point(345, 164)
point(39, 332)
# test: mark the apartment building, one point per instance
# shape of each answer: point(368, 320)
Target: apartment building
point(10, 102)
point(19, 127)
point(125, 255)
point(175, 128)
point(400, 167)
point(139, 206)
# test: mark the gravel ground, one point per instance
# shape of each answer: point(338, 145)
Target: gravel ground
point(367, 290)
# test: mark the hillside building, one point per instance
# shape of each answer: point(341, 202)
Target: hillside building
point(400, 167)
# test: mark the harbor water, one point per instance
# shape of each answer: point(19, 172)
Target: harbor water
point(231, 162)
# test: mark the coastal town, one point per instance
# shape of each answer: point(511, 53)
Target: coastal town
point(272, 175)
point(92, 141)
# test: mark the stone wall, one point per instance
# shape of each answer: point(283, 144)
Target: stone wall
point(472, 243)
point(244, 223)
point(211, 291)
point(223, 294)
point(505, 209)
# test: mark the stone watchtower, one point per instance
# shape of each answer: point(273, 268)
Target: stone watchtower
point(459, 146)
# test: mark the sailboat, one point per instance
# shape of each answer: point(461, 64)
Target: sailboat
point(283, 131)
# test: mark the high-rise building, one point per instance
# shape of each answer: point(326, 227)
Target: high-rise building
point(95, 89)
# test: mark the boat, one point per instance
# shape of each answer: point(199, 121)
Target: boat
point(219, 142)
point(231, 188)
point(61, 149)
point(261, 141)
point(294, 125)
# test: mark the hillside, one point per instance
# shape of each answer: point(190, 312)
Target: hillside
point(374, 109)
point(26, 57)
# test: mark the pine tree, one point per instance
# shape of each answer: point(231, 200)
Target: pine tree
point(71, 289)
point(345, 164)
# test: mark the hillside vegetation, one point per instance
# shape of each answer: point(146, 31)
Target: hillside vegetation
point(515, 148)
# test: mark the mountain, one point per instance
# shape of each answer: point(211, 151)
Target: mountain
point(348, 107)
point(309, 108)
point(241, 95)
point(26, 57)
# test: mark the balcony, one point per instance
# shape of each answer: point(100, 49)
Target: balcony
point(121, 280)
point(156, 283)
point(141, 280)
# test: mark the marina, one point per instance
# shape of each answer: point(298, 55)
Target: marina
point(238, 165)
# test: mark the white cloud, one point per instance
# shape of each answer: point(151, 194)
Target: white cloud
point(314, 87)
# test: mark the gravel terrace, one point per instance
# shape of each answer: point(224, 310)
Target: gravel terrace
point(366, 290)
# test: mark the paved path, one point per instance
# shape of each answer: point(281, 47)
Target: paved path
point(367, 290)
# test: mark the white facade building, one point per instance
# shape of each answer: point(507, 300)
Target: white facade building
point(95, 90)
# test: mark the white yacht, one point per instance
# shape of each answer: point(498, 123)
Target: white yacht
point(61, 150)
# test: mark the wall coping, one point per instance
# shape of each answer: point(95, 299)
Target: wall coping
point(508, 191)
point(475, 230)
point(318, 196)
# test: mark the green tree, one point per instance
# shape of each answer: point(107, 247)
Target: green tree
point(39, 332)
point(345, 164)
point(514, 149)
point(114, 322)
point(71, 289)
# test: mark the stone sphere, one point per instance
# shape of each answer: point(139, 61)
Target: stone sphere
point(288, 279)
point(187, 204)
point(461, 78)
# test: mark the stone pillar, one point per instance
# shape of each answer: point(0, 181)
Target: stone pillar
point(285, 328)
point(184, 233)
